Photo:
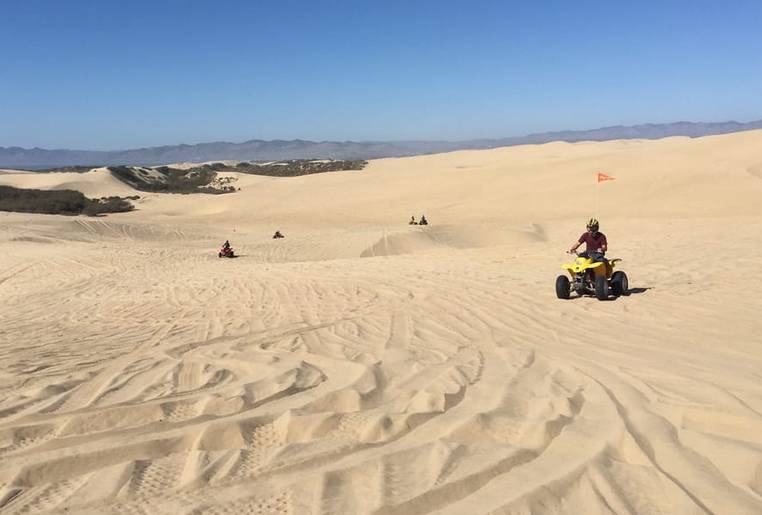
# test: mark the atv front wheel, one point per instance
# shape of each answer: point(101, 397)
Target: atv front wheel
point(219, 254)
point(601, 287)
point(562, 287)
point(619, 284)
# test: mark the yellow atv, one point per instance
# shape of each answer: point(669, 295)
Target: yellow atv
point(588, 277)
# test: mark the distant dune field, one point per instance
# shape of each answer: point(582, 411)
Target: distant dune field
point(363, 365)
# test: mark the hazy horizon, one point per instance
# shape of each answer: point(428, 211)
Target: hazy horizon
point(520, 135)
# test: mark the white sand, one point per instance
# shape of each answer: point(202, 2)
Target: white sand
point(139, 373)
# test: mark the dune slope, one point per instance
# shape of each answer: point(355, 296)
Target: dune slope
point(361, 365)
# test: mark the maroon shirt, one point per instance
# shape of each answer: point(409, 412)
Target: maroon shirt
point(593, 243)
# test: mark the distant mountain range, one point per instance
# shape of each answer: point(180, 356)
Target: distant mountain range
point(259, 150)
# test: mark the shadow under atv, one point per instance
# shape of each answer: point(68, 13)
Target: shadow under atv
point(611, 298)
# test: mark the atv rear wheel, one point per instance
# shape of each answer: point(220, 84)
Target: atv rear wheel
point(619, 284)
point(601, 287)
point(562, 287)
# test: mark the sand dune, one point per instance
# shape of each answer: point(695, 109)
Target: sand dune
point(361, 365)
point(97, 183)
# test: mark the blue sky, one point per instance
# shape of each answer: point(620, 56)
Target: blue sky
point(121, 74)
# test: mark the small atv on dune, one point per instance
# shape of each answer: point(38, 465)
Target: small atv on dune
point(226, 252)
point(588, 277)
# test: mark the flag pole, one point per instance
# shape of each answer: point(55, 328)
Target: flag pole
point(598, 180)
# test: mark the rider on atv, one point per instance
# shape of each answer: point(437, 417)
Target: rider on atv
point(591, 273)
point(226, 250)
point(595, 242)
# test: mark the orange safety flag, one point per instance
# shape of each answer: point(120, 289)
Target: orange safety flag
point(603, 177)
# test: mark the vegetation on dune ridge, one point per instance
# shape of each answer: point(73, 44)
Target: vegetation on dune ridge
point(164, 179)
point(297, 167)
point(167, 179)
point(60, 202)
point(66, 169)
point(203, 178)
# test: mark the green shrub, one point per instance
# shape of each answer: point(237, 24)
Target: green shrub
point(67, 169)
point(58, 202)
point(199, 179)
point(192, 180)
point(95, 207)
point(297, 167)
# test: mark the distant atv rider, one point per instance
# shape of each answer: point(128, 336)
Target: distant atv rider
point(595, 242)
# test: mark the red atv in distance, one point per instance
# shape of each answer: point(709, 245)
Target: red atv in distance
point(226, 251)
